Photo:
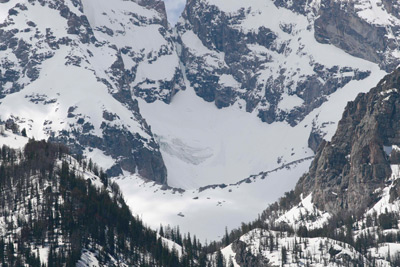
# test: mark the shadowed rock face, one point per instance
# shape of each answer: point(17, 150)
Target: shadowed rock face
point(347, 170)
point(343, 25)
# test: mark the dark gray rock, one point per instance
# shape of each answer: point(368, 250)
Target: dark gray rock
point(347, 171)
point(314, 140)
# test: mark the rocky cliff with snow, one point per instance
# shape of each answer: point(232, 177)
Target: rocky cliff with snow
point(259, 54)
point(366, 29)
point(347, 205)
point(348, 172)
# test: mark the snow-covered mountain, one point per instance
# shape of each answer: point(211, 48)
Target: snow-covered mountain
point(73, 75)
point(262, 56)
point(227, 108)
point(230, 162)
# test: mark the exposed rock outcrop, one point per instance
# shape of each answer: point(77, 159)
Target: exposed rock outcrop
point(347, 171)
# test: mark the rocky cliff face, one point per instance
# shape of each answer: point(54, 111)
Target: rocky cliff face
point(348, 171)
point(240, 53)
point(72, 75)
point(366, 29)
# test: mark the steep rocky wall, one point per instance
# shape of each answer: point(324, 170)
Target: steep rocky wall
point(347, 171)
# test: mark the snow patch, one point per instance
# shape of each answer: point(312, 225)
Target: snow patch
point(301, 214)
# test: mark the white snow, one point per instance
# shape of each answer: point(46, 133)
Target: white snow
point(39, 118)
point(172, 246)
point(88, 259)
point(228, 80)
point(44, 254)
point(99, 157)
point(373, 11)
point(257, 242)
point(207, 213)
point(4, 7)
point(385, 249)
point(13, 140)
point(228, 254)
point(202, 145)
point(288, 102)
point(152, 57)
point(300, 215)
point(163, 66)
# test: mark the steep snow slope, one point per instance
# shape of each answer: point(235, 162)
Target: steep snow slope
point(12, 140)
point(202, 145)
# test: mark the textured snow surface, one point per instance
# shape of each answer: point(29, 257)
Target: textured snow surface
point(4, 7)
point(283, 67)
point(99, 158)
point(172, 246)
point(88, 259)
point(202, 145)
point(174, 9)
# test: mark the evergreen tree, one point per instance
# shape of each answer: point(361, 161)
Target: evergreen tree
point(219, 259)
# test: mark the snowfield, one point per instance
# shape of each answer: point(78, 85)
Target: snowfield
point(206, 213)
